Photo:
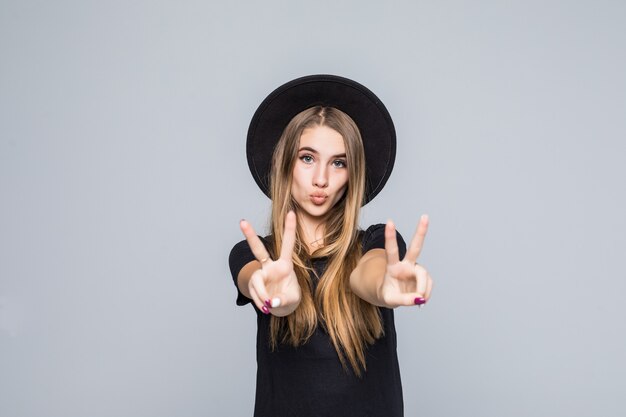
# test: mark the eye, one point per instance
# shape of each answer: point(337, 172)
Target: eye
point(307, 159)
point(339, 163)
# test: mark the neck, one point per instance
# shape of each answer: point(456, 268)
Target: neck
point(313, 229)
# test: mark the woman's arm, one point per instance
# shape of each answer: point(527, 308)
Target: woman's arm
point(382, 279)
point(366, 279)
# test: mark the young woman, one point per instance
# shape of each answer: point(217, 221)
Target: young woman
point(324, 291)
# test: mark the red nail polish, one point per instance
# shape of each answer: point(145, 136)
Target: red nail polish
point(265, 310)
point(419, 301)
point(268, 304)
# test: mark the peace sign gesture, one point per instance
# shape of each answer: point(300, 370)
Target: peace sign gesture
point(405, 282)
point(274, 286)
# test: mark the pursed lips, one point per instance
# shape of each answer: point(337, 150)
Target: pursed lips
point(318, 198)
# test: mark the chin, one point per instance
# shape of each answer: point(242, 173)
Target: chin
point(318, 214)
point(315, 211)
point(319, 211)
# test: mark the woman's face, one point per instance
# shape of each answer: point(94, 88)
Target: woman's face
point(320, 174)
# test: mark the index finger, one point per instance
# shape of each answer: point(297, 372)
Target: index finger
point(289, 236)
point(391, 244)
point(256, 246)
point(418, 240)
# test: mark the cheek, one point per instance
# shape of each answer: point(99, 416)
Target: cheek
point(296, 181)
point(343, 181)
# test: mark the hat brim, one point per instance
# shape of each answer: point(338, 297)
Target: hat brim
point(354, 99)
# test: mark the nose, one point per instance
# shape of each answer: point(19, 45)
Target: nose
point(320, 179)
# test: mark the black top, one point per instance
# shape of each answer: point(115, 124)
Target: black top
point(309, 380)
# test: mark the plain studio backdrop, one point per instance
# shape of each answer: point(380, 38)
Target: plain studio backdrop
point(123, 178)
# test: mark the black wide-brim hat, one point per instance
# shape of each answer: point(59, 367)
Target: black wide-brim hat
point(354, 99)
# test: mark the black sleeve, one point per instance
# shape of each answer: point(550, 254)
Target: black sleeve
point(240, 255)
point(374, 238)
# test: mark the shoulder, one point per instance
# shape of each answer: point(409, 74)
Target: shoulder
point(242, 246)
point(374, 238)
point(241, 254)
point(373, 234)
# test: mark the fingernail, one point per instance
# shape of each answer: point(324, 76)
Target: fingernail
point(265, 310)
point(268, 303)
point(275, 302)
point(419, 301)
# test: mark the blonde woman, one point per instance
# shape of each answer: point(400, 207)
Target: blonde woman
point(324, 291)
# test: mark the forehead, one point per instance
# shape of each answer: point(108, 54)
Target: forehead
point(323, 139)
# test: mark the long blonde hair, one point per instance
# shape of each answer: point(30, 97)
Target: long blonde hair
point(351, 323)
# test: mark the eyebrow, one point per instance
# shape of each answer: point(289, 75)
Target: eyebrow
point(306, 148)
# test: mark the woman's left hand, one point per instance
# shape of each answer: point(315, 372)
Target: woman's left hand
point(406, 282)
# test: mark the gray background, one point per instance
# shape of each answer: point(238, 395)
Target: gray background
point(123, 178)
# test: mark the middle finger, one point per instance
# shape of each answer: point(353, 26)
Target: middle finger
point(418, 240)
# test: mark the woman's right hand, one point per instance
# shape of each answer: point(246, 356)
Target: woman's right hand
point(274, 287)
